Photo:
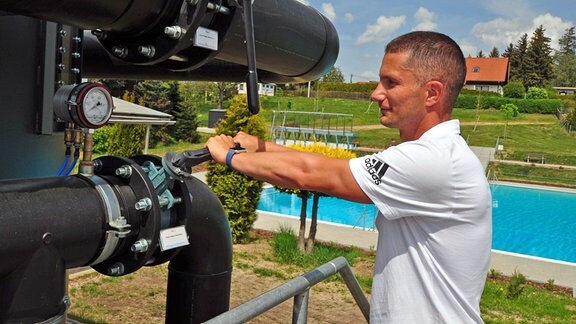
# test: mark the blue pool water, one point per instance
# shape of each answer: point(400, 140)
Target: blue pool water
point(529, 221)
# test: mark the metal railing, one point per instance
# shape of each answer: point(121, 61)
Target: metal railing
point(299, 289)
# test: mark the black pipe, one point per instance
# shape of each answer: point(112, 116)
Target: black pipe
point(48, 225)
point(122, 16)
point(199, 275)
point(293, 40)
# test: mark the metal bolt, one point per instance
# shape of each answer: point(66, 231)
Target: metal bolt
point(62, 49)
point(144, 204)
point(76, 55)
point(75, 70)
point(124, 171)
point(117, 269)
point(66, 301)
point(218, 8)
point(174, 32)
point(76, 39)
point(61, 67)
point(147, 51)
point(140, 246)
point(47, 238)
point(100, 34)
point(120, 51)
point(63, 33)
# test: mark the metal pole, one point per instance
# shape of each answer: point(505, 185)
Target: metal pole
point(300, 309)
point(296, 286)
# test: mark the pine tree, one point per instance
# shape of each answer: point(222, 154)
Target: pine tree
point(565, 60)
point(494, 53)
point(480, 54)
point(538, 67)
point(517, 56)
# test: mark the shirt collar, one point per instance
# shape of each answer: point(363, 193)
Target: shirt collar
point(447, 128)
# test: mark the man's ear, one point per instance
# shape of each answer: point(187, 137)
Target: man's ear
point(435, 92)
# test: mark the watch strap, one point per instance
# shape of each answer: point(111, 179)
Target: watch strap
point(230, 155)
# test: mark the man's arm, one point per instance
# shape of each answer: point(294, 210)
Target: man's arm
point(290, 168)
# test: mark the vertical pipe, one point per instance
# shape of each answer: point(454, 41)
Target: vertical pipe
point(199, 276)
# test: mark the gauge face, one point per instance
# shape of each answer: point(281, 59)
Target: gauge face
point(96, 106)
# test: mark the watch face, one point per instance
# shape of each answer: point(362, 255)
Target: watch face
point(96, 106)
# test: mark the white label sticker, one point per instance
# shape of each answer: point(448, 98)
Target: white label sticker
point(206, 38)
point(173, 237)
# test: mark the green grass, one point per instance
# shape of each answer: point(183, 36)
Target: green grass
point(286, 251)
point(534, 305)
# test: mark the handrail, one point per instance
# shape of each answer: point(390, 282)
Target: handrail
point(299, 289)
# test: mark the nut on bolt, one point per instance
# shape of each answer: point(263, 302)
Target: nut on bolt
point(117, 269)
point(124, 171)
point(120, 51)
point(174, 32)
point(144, 204)
point(140, 246)
point(147, 51)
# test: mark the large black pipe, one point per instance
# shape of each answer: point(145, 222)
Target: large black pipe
point(199, 276)
point(122, 16)
point(294, 43)
point(48, 225)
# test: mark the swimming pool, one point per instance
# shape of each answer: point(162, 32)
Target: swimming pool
point(531, 221)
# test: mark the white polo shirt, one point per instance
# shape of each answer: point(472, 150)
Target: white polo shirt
point(435, 228)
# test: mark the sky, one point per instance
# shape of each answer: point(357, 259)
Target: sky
point(365, 26)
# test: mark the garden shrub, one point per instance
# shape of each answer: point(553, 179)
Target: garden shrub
point(239, 194)
point(514, 89)
point(536, 93)
point(126, 140)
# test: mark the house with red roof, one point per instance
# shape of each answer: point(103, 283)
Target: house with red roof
point(487, 73)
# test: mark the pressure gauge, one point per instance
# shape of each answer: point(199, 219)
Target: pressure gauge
point(87, 104)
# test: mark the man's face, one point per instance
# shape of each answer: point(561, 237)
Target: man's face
point(399, 95)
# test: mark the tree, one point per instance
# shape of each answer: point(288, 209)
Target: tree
point(516, 57)
point(334, 75)
point(565, 60)
point(480, 54)
point(239, 194)
point(225, 91)
point(306, 245)
point(538, 67)
point(494, 53)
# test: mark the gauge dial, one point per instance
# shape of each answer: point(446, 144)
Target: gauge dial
point(96, 106)
point(87, 104)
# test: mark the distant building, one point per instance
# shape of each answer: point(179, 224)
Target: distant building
point(487, 73)
point(264, 89)
point(565, 91)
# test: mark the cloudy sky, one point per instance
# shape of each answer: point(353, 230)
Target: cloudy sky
point(366, 26)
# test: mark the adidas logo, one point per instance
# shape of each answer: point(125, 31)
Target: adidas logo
point(376, 169)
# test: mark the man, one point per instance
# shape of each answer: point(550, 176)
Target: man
point(433, 198)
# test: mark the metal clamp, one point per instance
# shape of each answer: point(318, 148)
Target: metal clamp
point(115, 220)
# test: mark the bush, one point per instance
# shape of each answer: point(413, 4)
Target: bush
point(536, 93)
point(239, 194)
point(101, 139)
point(532, 106)
point(514, 89)
point(127, 140)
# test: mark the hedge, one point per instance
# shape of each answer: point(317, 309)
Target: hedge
point(531, 106)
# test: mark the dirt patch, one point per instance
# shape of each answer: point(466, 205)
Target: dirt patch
point(140, 297)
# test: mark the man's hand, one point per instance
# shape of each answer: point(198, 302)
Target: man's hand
point(249, 142)
point(219, 146)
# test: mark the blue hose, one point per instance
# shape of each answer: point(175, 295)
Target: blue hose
point(64, 164)
point(71, 167)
